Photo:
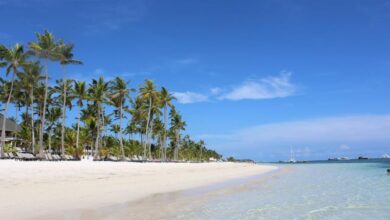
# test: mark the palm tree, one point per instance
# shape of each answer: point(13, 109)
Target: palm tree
point(115, 128)
point(12, 58)
point(165, 101)
point(89, 117)
point(80, 93)
point(201, 146)
point(158, 133)
point(138, 117)
point(120, 93)
point(66, 57)
point(177, 125)
point(131, 129)
point(63, 88)
point(52, 117)
point(149, 94)
point(46, 48)
point(97, 93)
point(29, 79)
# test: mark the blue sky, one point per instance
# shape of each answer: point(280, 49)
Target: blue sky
point(253, 78)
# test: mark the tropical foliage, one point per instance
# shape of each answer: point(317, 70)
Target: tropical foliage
point(112, 118)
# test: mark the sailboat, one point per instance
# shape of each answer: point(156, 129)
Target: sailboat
point(292, 158)
point(386, 156)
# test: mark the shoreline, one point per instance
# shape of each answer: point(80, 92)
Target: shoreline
point(47, 188)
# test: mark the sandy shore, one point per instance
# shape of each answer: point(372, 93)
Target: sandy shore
point(29, 190)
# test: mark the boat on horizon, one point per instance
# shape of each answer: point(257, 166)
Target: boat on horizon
point(386, 156)
point(343, 158)
point(338, 158)
point(292, 158)
point(362, 158)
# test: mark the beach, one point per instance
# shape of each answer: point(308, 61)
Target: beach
point(32, 190)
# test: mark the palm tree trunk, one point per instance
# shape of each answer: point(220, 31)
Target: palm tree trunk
point(32, 120)
point(160, 138)
point(103, 127)
point(63, 120)
point(49, 139)
point(147, 125)
point(41, 149)
point(98, 133)
point(164, 141)
point(16, 119)
point(176, 152)
point(5, 114)
point(142, 137)
point(78, 128)
point(120, 132)
point(149, 140)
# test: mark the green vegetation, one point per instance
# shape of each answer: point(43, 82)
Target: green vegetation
point(112, 118)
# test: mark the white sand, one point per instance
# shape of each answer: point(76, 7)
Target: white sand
point(33, 189)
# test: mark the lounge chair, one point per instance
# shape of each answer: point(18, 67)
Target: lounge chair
point(46, 156)
point(137, 158)
point(50, 157)
point(20, 156)
point(56, 157)
point(25, 156)
point(69, 157)
point(112, 158)
point(11, 155)
point(6, 156)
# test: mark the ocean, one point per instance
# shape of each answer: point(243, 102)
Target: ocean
point(321, 190)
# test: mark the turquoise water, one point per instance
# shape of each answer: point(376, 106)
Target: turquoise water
point(308, 191)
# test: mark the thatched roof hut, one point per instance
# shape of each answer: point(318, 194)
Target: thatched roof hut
point(10, 125)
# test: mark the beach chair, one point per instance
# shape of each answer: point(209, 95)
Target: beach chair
point(134, 158)
point(50, 157)
point(55, 157)
point(46, 156)
point(112, 158)
point(6, 156)
point(141, 159)
point(27, 156)
point(19, 156)
point(11, 155)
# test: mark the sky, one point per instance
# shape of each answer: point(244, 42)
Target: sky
point(252, 78)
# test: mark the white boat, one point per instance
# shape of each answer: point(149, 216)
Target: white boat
point(343, 158)
point(292, 158)
point(386, 156)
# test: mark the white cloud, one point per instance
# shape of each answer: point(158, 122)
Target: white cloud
point(216, 91)
point(350, 128)
point(265, 88)
point(189, 97)
point(186, 61)
point(328, 132)
point(344, 147)
point(98, 71)
point(134, 74)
